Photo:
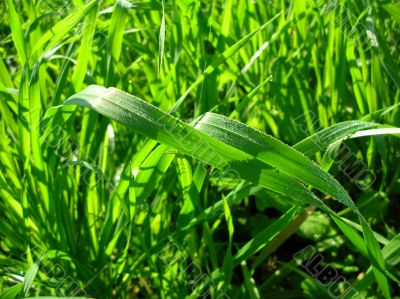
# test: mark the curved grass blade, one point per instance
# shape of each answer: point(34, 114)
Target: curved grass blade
point(272, 152)
point(275, 153)
point(156, 124)
point(322, 139)
point(227, 148)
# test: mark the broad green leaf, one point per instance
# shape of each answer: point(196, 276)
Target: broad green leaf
point(229, 145)
point(152, 122)
point(272, 152)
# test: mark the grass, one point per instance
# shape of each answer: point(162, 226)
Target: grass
point(237, 149)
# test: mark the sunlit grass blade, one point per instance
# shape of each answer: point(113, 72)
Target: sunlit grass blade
point(152, 122)
point(221, 59)
point(59, 30)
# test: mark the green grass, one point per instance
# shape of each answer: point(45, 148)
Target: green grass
point(219, 143)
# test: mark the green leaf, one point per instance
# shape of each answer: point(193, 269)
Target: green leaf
point(394, 10)
point(232, 146)
point(161, 40)
point(152, 122)
point(227, 266)
point(322, 139)
point(11, 292)
point(264, 237)
point(272, 152)
point(220, 60)
point(29, 277)
point(55, 34)
point(17, 33)
point(115, 37)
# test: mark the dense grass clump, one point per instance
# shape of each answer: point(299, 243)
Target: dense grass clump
point(199, 149)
